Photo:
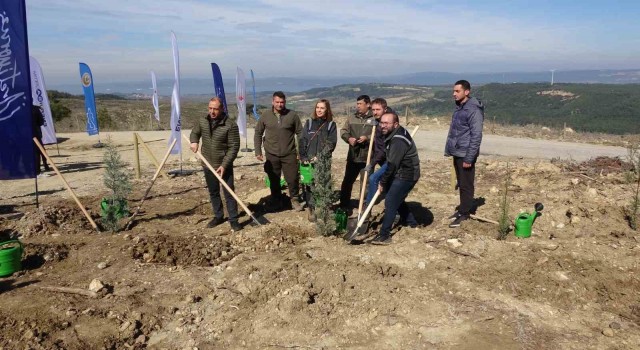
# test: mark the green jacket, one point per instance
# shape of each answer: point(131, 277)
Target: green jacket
point(220, 140)
point(358, 125)
point(280, 133)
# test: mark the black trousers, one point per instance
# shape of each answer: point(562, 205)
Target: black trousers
point(214, 194)
point(307, 195)
point(465, 177)
point(351, 173)
point(40, 158)
point(287, 165)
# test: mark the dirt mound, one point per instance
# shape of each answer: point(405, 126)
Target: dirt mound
point(63, 219)
point(197, 250)
point(272, 237)
point(602, 166)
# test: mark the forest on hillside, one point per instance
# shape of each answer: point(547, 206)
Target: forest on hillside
point(613, 109)
point(604, 108)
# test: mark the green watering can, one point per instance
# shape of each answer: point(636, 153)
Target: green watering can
point(341, 220)
point(524, 221)
point(10, 257)
point(283, 182)
point(306, 174)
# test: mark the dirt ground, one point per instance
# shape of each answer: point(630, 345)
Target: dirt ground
point(172, 283)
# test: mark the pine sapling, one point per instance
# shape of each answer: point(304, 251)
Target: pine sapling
point(323, 193)
point(504, 222)
point(117, 180)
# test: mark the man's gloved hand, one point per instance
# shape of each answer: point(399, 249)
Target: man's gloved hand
point(368, 168)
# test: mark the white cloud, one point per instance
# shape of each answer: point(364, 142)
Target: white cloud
point(125, 39)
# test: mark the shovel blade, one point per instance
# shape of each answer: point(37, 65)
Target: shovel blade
point(354, 231)
point(260, 220)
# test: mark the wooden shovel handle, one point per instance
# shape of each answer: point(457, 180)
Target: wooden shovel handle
point(66, 184)
point(366, 212)
point(224, 184)
point(363, 189)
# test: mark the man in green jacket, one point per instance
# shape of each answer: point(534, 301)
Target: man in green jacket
point(281, 129)
point(220, 145)
point(356, 132)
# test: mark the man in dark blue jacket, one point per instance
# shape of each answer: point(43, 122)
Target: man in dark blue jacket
point(463, 144)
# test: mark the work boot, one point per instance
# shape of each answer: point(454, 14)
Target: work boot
point(235, 226)
point(296, 205)
point(273, 204)
point(311, 215)
point(215, 222)
point(381, 240)
point(458, 221)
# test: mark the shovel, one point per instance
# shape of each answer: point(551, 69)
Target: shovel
point(153, 180)
point(260, 220)
point(363, 188)
point(361, 228)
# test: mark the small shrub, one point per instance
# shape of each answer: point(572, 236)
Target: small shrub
point(116, 179)
point(504, 223)
point(323, 194)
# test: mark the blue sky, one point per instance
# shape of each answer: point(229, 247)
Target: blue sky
point(124, 40)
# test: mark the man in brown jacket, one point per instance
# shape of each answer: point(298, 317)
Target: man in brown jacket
point(220, 145)
point(356, 132)
point(281, 129)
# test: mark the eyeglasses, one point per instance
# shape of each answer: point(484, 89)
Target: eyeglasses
point(387, 123)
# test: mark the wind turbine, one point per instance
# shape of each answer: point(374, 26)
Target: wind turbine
point(552, 71)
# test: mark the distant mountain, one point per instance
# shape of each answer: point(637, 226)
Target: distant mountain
point(204, 86)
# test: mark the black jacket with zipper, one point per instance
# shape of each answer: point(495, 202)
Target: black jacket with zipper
point(402, 157)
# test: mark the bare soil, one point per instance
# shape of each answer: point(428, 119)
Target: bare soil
point(172, 283)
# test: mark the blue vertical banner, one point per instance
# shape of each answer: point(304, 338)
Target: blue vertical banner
point(17, 150)
point(89, 99)
point(218, 86)
point(255, 98)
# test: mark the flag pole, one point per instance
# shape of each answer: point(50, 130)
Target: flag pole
point(37, 203)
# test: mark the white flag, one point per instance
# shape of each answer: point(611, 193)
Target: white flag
point(175, 99)
point(40, 99)
point(154, 97)
point(241, 102)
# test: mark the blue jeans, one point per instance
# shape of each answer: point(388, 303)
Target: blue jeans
point(394, 203)
point(374, 181)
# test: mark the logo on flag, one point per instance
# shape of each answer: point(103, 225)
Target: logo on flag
point(86, 80)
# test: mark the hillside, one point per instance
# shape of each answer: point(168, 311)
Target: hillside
point(613, 109)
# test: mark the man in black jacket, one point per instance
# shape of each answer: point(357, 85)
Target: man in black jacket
point(37, 121)
point(402, 174)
